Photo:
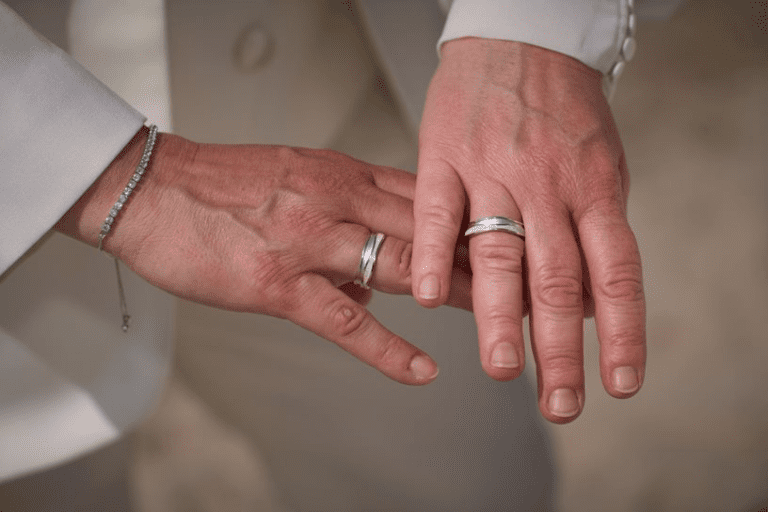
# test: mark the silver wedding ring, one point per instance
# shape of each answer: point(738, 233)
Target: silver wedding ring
point(496, 223)
point(368, 259)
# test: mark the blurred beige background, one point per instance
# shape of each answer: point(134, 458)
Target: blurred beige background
point(693, 112)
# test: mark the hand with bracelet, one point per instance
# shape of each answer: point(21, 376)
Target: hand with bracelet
point(266, 229)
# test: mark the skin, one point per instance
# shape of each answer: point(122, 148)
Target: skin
point(519, 131)
point(267, 229)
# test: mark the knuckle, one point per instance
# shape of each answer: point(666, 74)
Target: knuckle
point(316, 172)
point(602, 188)
point(603, 156)
point(290, 154)
point(560, 359)
point(497, 258)
point(627, 338)
point(604, 207)
point(388, 351)
point(559, 288)
point(277, 289)
point(502, 320)
point(624, 284)
point(441, 217)
point(348, 318)
point(351, 322)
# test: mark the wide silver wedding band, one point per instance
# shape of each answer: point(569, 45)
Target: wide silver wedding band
point(496, 223)
point(368, 259)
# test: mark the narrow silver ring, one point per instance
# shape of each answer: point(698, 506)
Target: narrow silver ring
point(368, 259)
point(496, 223)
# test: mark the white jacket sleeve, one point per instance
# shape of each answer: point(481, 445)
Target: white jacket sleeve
point(59, 129)
point(70, 379)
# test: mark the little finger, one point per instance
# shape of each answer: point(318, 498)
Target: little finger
point(617, 285)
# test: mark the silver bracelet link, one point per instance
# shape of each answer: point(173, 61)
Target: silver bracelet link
point(137, 174)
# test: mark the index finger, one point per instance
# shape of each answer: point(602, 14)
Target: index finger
point(438, 209)
point(330, 313)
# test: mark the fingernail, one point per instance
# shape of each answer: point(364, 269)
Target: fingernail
point(625, 379)
point(505, 356)
point(429, 288)
point(563, 403)
point(424, 368)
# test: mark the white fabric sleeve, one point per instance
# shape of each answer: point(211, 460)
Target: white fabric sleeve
point(591, 31)
point(59, 129)
point(599, 33)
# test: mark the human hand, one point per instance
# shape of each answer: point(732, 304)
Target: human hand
point(526, 133)
point(270, 230)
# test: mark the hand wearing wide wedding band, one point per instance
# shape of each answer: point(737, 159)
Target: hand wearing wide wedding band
point(270, 230)
point(526, 133)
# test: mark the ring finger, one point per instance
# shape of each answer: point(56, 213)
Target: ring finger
point(497, 289)
point(391, 271)
point(557, 312)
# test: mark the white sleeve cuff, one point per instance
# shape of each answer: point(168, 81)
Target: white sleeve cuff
point(59, 129)
point(599, 33)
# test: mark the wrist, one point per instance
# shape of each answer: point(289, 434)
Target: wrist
point(497, 57)
point(537, 75)
point(133, 222)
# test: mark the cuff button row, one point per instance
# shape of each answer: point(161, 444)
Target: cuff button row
point(628, 46)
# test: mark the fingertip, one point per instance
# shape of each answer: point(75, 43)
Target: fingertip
point(333, 315)
point(429, 289)
point(424, 369)
point(625, 382)
point(504, 356)
point(430, 292)
point(563, 405)
point(504, 363)
point(501, 374)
